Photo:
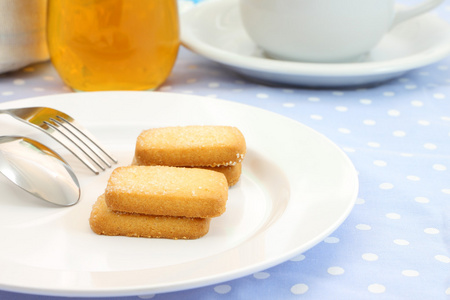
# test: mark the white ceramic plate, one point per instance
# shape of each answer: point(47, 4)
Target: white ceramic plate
point(214, 29)
point(296, 188)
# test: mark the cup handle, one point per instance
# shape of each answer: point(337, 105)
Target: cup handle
point(406, 13)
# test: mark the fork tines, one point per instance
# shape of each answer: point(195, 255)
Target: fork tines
point(83, 141)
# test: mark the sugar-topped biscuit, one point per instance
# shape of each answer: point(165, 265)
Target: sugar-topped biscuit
point(168, 191)
point(190, 146)
point(104, 221)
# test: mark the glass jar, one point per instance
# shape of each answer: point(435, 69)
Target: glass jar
point(98, 45)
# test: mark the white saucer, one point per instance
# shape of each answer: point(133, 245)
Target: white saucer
point(214, 29)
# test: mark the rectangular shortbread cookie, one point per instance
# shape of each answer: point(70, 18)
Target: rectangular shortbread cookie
point(168, 191)
point(190, 146)
point(107, 222)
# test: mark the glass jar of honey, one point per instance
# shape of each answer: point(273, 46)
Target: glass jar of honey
point(98, 45)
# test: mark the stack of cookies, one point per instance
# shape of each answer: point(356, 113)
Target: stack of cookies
point(160, 202)
point(178, 182)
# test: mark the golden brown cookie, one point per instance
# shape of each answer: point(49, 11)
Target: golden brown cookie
point(107, 222)
point(190, 146)
point(167, 191)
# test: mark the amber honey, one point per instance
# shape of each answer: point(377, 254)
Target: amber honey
point(113, 44)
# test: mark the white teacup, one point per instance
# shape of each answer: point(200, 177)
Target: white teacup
point(323, 30)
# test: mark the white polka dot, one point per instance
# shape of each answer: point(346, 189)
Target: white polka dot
point(298, 258)
point(19, 82)
point(344, 130)
point(360, 201)
point(438, 96)
point(410, 273)
point(423, 122)
point(379, 163)
point(341, 108)
point(399, 133)
point(222, 289)
point(48, 78)
point(369, 122)
point(439, 167)
point(338, 93)
point(431, 230)
point(363, 227)
point(410, 86)
point(365, 101)
point(191, 80)
point(442, 67)
point(38, 89)
point(348, 149)
point(447, 291)
point(407, 154)
point(262, 96)
point(299, 289)
point(430, 146)
point(393, 216)
point(335, 271)
point(7, 93)
point(331, 240)
point(444, 118)
point(393, 113)
point(386, 186)
point(289, 104)
point(165, 88)
point(261, 275)
point(370, 257)
point(316, 117)
point(443, 258)
point(213, 85)
point(422, 200)
point(288, 91)
point(413, 178)
point(146, 296)
point(401, 242)
point(416, 103)
point(388, 94)
point(376, 288)
point(373, 144)
point(424, 73)
point(313, 99)
point(446, 191)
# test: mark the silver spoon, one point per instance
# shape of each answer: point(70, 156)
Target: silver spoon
point(38, 170)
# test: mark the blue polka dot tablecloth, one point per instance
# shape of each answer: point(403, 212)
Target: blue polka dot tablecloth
point(395, 244)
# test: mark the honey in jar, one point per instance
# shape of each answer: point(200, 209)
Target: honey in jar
point(100, 45)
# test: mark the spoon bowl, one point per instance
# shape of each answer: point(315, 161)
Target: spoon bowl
point(38, 170)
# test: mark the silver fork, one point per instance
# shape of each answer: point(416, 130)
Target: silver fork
point(65, 130)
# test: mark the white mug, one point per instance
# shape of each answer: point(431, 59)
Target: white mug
point(327, 31)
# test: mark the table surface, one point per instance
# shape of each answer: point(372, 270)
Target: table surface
point(395, 244)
